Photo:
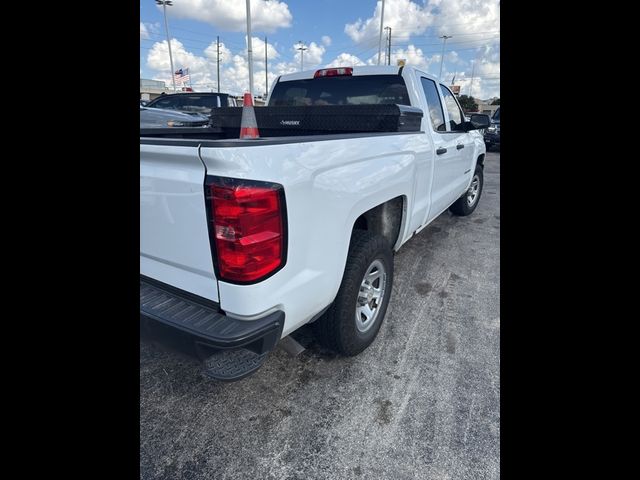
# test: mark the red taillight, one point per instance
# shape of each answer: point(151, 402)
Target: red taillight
point(333, 72)
point(248, 228)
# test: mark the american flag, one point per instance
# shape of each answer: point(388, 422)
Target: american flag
point(182, 75)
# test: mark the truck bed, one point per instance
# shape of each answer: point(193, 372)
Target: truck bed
point(213, 137)
point(299, 122)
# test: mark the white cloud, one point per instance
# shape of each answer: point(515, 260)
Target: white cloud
point(211, 52)
point(345, 60)
point(470, 20)
point(312, 55)
point(414, 56)
point(486, 73)
point(465, 17)
point(230, 15)
point(452, 57)
point(234, 70)
point(144, 33)
point(158, 57)
point(257, 45)
point(472, 23)
point(405, 18)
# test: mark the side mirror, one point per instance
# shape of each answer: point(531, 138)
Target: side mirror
point(478, 121)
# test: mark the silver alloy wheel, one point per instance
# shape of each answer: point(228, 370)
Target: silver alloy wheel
point(474, 190)
point(370, 296)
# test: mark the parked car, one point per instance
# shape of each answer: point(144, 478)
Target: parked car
point(244, 241)
point(492, 134)
point(193, 102)
point(143, 103)
point(158, 118)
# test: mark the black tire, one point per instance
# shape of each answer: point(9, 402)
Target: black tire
point(461, 206)
point(337, 329)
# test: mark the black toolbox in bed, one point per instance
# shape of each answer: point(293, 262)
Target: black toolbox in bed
point(318, 119)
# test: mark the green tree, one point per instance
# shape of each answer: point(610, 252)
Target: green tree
point(496, 102)
point(468, 103)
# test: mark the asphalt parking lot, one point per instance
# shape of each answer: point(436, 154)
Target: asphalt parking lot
point(422, 402)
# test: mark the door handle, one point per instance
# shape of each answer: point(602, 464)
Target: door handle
point(440, 151)
point(460, 146)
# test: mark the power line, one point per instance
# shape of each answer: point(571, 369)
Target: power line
point(493, 21)
point(424, 52)
point(457, 34)
point(335, 49)
point(464, 42)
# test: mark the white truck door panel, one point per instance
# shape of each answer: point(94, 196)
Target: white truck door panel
point(174, 237)
point(448, 160)
point(452, 169)
point(463, 143)
point(448, 173)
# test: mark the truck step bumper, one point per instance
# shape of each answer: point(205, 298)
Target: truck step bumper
point(232, 365)
point(229, 340)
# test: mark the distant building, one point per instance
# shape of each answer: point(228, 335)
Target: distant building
point(150, 89)
point(484, 106)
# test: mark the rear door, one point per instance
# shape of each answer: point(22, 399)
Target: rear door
point(174, 237)
point(448, 158)
point(464, 140)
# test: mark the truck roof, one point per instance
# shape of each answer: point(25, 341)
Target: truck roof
point(357, 70)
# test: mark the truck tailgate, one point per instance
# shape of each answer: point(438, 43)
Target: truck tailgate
point(174, 237)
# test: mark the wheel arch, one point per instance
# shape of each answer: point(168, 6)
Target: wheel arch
point(386, 219)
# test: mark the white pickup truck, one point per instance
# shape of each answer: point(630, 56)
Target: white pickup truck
point(244, 241)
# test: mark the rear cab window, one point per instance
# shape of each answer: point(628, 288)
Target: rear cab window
point(341, 90)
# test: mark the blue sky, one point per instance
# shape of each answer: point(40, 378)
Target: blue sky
point(336, 32)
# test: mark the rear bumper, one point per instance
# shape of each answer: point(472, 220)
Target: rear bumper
point(203, 322)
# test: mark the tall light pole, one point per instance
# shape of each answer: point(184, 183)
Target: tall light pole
point(380, 39)
point(442, 56)
point(473, 70)
point(249, 49)
point(218, 63)
point(388, 52)
point(302, 48)
point(266, 70)
point(164, 4)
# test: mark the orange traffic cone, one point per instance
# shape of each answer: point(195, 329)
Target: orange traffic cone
point(248, 124)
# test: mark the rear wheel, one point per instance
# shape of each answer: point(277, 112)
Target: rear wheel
point(468, 202)
point(353, 320)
